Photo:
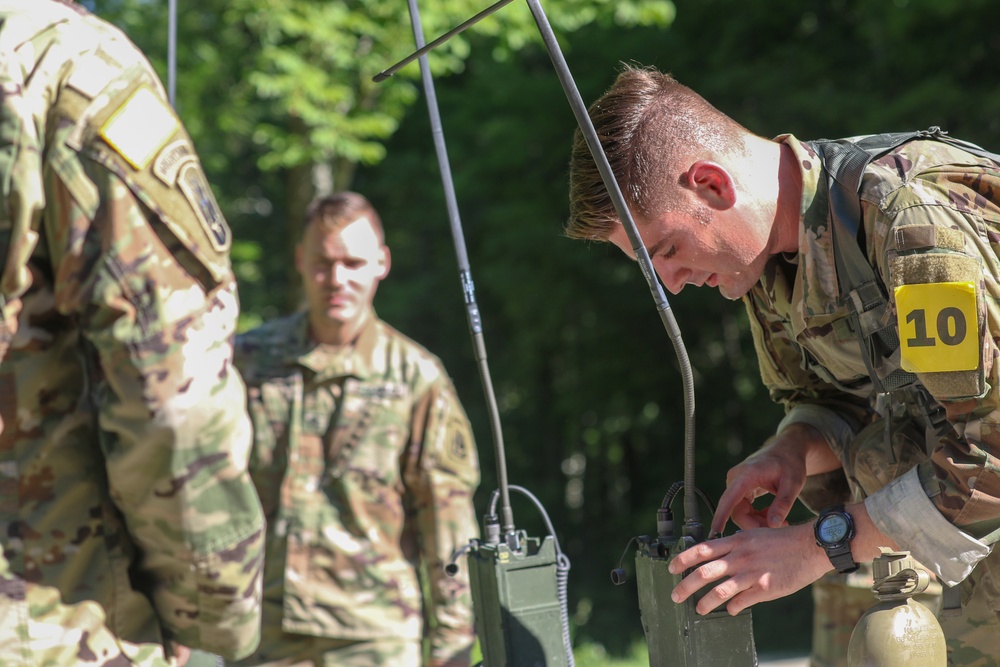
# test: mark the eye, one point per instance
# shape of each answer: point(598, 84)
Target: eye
point(670, 252)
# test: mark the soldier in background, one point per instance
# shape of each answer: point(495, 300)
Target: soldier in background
point(365, 464)
point(131, 529)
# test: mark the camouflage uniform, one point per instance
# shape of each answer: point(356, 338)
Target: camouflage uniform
point(128, 515)
point(931, 217)
point(366, 467)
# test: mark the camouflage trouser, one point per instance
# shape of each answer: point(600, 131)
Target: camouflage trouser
point(287, 650)
point(972, 632)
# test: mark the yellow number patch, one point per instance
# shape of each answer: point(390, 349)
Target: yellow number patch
point(938, 327)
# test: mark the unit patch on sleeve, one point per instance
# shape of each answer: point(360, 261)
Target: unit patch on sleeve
point(140, 128)
point(194, 185)
point(457, 451)
point(938, 327)
point(171, 159)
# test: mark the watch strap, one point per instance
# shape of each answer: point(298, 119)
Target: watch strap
point(842, 559)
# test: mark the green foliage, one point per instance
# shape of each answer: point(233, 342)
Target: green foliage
point(585, 374)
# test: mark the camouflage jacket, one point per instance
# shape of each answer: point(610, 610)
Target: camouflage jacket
point(128, 515)
point(366, 466)
point(931, 216)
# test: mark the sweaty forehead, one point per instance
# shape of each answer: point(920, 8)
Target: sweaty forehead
point(355, 239)
point(654, 238)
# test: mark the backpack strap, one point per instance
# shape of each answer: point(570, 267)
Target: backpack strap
point(860, 287)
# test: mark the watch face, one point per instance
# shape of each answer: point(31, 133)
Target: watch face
point(832, 529)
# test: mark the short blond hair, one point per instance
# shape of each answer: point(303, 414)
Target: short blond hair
point(331, 212)
point(647, 123)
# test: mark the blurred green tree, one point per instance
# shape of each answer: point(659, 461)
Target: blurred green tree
point(274, 94)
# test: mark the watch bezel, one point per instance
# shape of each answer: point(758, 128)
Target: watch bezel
point(825, 519)
point(839, 553)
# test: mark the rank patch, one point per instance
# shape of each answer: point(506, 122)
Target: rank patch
point(140, 128)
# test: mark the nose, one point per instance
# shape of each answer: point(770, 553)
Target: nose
point(338, 274)
point(673, 278)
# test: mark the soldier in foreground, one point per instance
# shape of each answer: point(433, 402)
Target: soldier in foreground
point(132, 531)
point(365, 464)
point(719, 206)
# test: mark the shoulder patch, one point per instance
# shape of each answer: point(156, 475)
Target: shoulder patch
point(170, 160)
point(194, 185)
point(458, 449)
point(140, 127)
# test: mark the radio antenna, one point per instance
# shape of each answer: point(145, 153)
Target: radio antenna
point(691, 513)
point(464, 270)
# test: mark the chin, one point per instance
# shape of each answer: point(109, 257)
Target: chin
point(338, 315)
point(731, 293)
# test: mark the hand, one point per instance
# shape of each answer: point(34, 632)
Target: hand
point(779, 468)
point(181, 654)
point(752, 566)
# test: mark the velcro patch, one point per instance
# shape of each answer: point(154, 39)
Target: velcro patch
point(916, 237)
point(140, 128)
point(91, 74)
point(938, 327)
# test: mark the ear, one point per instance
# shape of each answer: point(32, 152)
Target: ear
point(298, 257)
point(385, 261)
point(712, 183)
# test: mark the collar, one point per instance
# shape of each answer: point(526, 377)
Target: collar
point(326, 362)
point(815, 286)
point(813, 209)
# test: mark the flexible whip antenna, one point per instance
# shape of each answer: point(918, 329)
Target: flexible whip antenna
point(172, 52)
point(691, 514)
point(464, 270)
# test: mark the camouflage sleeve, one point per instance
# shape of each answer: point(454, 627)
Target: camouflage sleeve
point(942, 278)
point(140, 252)
point(443, 486)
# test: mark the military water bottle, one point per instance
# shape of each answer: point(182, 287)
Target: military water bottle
point(897, 631)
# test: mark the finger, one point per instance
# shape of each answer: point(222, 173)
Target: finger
point(698, 554)
point(732, 497)
point(701, 579)
point(784, 498)
point(723, 592)
point(723, 513)
point(746, 517)
point(746, 597)
point(703, 556)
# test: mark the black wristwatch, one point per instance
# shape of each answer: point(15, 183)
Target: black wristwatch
point(834, 531)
